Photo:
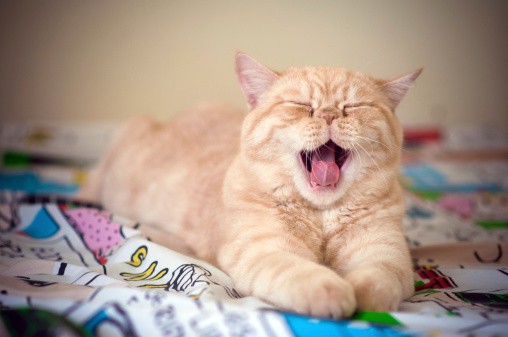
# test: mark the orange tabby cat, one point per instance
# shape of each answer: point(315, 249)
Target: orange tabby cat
point(300, 203)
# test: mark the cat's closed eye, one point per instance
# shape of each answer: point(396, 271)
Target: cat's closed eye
point(307, 106)
point(352, 107)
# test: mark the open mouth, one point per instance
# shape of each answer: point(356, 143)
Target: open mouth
point(324, 164)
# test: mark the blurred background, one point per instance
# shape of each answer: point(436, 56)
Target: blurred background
point(95, 61)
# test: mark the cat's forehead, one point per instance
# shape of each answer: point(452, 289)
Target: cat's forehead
point(326, 83)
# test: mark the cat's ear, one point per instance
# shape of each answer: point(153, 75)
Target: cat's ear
point(397, 88)
point(255, 79)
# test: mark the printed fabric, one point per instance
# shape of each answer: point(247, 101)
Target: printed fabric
point(74, 268)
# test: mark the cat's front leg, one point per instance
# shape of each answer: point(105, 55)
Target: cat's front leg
point(378, 266)
point(277, 268)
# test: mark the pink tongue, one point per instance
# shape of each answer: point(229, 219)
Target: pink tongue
point(324, 172)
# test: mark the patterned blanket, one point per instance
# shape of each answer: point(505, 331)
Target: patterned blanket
point(72, 268)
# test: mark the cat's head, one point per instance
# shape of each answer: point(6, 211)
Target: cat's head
point(326, 129)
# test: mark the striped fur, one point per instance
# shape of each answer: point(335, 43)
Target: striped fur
point(234, 188)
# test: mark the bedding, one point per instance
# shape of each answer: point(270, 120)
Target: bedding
point(70, 267)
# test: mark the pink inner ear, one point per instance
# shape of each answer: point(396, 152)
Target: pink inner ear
point(254, 78)
point(396, 89)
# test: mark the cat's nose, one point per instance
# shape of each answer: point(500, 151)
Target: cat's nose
point(327, 115)
point(329, 118)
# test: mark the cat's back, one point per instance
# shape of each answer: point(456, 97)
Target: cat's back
point(211, 125)
point(155, 171)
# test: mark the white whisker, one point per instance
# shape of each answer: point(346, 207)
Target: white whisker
point(355, 153)
point(387, 147)
point(370, 156)
point(375, 141)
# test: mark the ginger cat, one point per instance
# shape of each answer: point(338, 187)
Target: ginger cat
point(298, 201)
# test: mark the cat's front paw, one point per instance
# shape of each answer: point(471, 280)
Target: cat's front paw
point(375, 289)
point(319, 293)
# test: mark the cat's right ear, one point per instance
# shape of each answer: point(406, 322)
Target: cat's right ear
point(255, 79)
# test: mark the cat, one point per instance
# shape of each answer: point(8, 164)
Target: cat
point(298, 200)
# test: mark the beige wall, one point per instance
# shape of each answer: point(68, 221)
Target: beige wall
point(107, 60)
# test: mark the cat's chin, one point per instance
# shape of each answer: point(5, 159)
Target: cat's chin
point(323, 197)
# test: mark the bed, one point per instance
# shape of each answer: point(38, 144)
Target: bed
point(71, 267)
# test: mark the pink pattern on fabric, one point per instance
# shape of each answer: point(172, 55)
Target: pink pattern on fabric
point(100, 234)
point(457, 203)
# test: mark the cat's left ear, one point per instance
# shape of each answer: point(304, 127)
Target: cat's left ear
point(397, 88)
point(255, 79)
